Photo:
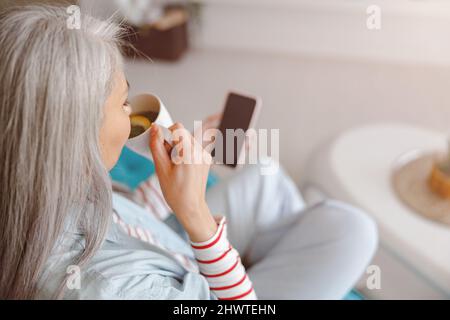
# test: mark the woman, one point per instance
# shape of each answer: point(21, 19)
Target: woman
point(66, 234)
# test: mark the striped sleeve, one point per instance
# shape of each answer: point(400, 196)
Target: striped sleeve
point(221, 265)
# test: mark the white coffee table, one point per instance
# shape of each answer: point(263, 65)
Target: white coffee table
point(414, 254)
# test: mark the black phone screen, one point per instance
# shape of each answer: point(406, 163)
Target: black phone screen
point(237, 116)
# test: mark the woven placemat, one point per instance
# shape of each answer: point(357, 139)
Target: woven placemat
point(410, 182)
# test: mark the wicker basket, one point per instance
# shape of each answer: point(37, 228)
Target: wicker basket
point(166, 39)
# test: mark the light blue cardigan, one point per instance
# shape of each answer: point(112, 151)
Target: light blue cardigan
point(127, 268)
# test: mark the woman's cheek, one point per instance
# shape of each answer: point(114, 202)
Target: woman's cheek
point(119, 136)
point(127, 128)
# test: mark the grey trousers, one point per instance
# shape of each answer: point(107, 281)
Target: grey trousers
point(292, 251)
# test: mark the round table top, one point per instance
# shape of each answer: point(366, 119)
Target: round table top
point(363, 160)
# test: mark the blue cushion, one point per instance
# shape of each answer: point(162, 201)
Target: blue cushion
point(354, 295)
point(132, 169)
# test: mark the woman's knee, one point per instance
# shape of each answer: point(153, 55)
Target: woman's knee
point(352, 225)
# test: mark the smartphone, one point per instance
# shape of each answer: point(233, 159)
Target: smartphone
point(240, 112)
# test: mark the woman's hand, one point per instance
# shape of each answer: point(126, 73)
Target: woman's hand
point(183, 183)
point(211, 122)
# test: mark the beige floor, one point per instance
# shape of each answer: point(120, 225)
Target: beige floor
point(309, 99)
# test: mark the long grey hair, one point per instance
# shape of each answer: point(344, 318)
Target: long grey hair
point(54, 82)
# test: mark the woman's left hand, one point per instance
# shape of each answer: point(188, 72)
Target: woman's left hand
point(211, 122)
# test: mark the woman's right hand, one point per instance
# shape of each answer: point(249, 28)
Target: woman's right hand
point(183, 180)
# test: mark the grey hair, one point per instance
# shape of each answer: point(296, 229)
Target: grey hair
point(54, 82)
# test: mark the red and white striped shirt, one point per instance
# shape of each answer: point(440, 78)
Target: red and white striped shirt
point(215, 258)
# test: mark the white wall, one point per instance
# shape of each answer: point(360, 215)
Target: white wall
point(416, 31)
point(411, 31)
